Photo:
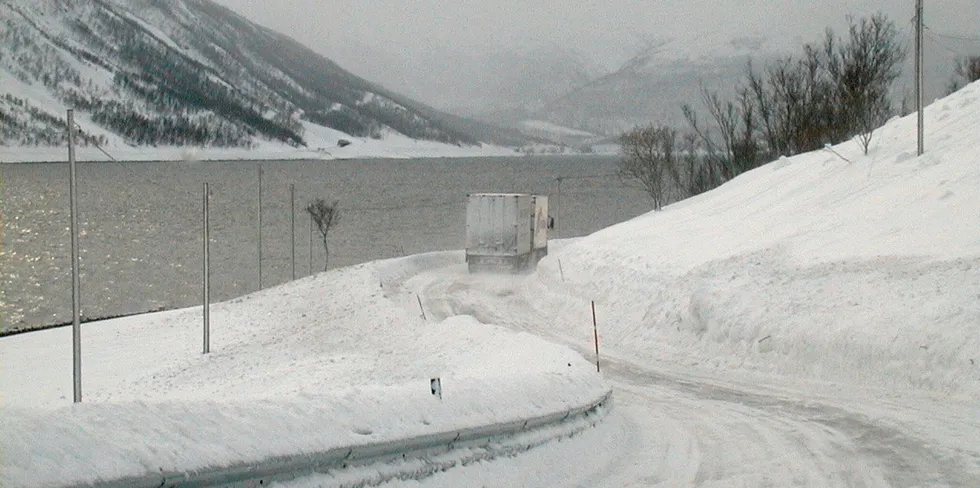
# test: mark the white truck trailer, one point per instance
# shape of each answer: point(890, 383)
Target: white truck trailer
point(505, 231)
point(539, 227)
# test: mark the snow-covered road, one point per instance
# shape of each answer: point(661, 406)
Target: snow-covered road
point(676, 427)
point(730, 436)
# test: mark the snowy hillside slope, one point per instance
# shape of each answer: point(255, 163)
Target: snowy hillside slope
point(182, 72)
point(830, 265)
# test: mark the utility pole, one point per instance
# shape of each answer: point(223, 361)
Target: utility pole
point(918, 73)
point(76, 301)
point(309, 269)
point(260, 227)
point(207, 273)
point(558, 210)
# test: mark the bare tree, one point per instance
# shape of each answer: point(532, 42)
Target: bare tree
point(719, 154)
point(325, 215)
point(698, 173)
point(967, 71)
point(649, 159)
point(903, 108)
point(735, 124)
point(835, 90)
point(801, 96)
point(968, 68)
point(745, 144)
point(863, 69)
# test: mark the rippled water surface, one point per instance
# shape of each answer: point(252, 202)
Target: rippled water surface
point(140, 223)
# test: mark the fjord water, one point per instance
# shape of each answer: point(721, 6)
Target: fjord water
point(140, 224)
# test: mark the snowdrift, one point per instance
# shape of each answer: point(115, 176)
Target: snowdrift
point(830, 265)
point(338, 359)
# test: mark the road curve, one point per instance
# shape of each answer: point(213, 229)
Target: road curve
point(677, 428)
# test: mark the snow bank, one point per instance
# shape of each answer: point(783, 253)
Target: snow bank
point(94, 442)
point(830, 265)
point(331, 360)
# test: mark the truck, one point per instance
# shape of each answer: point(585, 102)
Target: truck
point(539, 227)
point(506, 232)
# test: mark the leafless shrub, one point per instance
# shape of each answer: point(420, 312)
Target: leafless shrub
point(325, 216)
point(863, 69)
point(649, 159)
point(967, 71)
point(836, 90)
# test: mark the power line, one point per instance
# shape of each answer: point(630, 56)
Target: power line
point(95, 143)
point(943, 46)
point(97, 146)
point(403, 207)
point(910, 28)
point(952, 36)
point(586, 177)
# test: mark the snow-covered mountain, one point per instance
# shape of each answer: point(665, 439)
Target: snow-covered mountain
point(649, 88)
point(186, 72)
point(652, 86)
point(521, 80)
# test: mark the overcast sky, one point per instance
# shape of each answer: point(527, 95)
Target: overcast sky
point(365, 35)
point(594, 27)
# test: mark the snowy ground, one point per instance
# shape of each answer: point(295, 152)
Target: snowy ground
point(337, 359)
point(811, 323)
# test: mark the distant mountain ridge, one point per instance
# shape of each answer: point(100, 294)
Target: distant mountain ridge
point(188, 72)
point(651, 86)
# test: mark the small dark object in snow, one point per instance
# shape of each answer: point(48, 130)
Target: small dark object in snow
point(343, 143)
point(435, 384)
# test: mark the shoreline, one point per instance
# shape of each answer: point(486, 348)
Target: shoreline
point(428, 150)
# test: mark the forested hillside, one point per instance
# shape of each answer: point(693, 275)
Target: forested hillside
point(182, 72)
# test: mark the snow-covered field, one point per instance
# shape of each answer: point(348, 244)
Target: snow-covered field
point(814, 322)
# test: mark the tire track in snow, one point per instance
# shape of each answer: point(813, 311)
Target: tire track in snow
point(719, 435)
point(901, 459)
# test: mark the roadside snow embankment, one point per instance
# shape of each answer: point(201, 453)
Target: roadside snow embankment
point(864, 270)
point(335, 360)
